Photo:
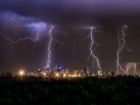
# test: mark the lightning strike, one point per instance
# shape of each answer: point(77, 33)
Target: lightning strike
point(50, 47)
point(121, 46)
point(92, 43)
point(35, 28)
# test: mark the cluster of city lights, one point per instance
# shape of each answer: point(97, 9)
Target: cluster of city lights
point(58, 73)
point(64, 74)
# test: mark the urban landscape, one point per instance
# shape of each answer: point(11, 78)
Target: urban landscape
point(69, 52)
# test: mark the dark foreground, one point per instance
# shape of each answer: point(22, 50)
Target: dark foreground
point(89, 91)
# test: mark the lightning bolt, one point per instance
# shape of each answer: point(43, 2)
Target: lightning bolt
point(50, 47)
point(92, 43)
point(121, 44)
point(51, 39)
point(36, 29)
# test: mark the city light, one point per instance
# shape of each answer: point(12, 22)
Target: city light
point(44, 74)
point(21, 74)
point(74, 74)
point(57, 75)
point(64, 75)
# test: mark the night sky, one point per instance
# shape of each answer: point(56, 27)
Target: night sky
point(70, 47)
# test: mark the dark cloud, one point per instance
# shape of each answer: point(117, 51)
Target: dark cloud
point(75, 11)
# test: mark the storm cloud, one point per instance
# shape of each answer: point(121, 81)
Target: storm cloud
point(75, 11)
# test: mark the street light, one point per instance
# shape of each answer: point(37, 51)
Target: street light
point(44, 74)
point(21, 73)
point(64, 75)
point(57, 75)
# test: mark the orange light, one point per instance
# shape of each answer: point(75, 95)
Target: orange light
point(21, 72)
point(64, 75)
